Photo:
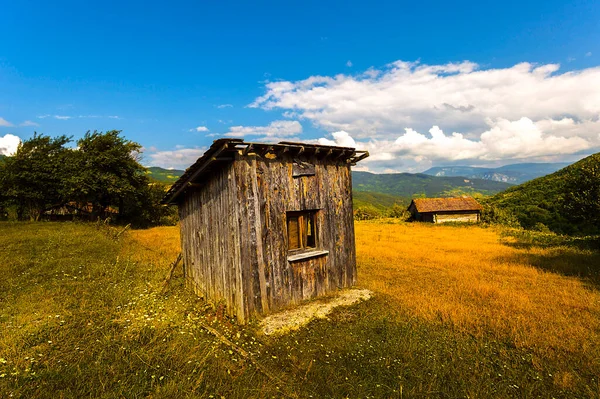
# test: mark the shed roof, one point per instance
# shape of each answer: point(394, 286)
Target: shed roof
point(424, 205)
point(223, 151)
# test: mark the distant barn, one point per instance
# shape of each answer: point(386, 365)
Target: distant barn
point(441, 210)
point(264, 226)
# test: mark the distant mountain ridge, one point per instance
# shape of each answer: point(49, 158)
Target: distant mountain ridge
point(514, 173)
point(409, 185)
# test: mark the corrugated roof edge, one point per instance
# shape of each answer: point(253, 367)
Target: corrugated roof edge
point(224, 150)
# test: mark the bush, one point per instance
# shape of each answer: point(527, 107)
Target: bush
point(366, 213)
point(494, 215)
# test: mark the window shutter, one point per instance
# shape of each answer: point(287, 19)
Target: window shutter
point(294, 233)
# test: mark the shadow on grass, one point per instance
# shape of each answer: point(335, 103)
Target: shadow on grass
point(569, 256)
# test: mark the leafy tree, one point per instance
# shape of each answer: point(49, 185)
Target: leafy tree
point(399, 211)
point(35, 177)
point(109, 173)
point(582, 195)
point(366, 212)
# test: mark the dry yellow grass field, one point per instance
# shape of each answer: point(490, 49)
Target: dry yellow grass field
point(474, 280)
point(468, 277)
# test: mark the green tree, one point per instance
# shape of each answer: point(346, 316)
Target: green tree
point(36, 176)
point(582, 196)
point(109, 174)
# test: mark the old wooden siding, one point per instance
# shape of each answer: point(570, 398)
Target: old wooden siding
point(210, 237)
point(266, 191)
point(457, 217)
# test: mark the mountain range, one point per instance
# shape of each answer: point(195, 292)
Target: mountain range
point(411, 185)
point(515, 173)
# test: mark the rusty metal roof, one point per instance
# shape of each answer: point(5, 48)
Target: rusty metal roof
point(224, 151)
point(424, 205)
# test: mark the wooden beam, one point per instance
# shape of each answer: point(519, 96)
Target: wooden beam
point(360, 157)
point(247, 149)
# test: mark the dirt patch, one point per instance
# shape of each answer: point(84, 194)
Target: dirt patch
point(294, 319)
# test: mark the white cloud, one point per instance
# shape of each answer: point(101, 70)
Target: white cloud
point(29, 123)
point(221, 106)
point(340, 139)
point(62, 117)
point(5, 123)
point(523, 111)
point(199, 129)
point(180, 158)
point(588, 54)
point(275, 130)
point(9, 144)
point(504, 139)
point(348, 63)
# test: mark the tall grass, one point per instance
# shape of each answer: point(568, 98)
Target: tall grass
point(477, 282)
point(457, 312)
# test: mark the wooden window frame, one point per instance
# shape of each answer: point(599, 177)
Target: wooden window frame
point(303, 217)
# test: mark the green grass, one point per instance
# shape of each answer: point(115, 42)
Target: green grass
point(379, 201)
point(81, 315)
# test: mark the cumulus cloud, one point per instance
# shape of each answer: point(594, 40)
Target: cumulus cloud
point(4, 122)
point(9, 144)
point(180, 158)
point(274, 131)
point(340, 139)
point(525, 111)
point(199, 129)
point(504, 139)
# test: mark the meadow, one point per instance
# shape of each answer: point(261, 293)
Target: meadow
point(458, 311)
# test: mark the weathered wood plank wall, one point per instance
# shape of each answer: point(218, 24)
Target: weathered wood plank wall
point(234, 234)
point(280, 283)
point(210, 241)
point(457, 217)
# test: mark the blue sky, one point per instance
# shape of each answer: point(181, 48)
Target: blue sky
point(378, 75)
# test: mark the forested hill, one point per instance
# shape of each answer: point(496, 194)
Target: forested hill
point(515, 173)
point(567, 201)
point(164, 175)
point(410, 185)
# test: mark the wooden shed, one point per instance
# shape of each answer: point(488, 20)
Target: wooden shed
point(264, 226)
point(441, 210)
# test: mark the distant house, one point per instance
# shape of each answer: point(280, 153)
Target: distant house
point(441, 210)
point(265, 226)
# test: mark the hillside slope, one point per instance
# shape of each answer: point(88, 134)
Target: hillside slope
point(410, 185)
point(567, 201)
point(164, 175)
point(379, 201)
point(514, 173)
